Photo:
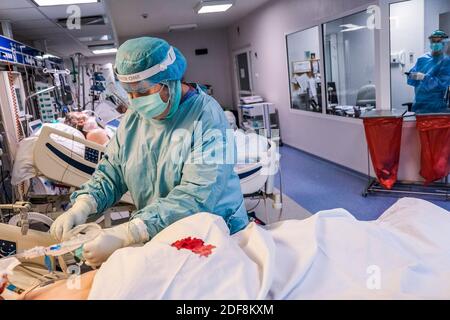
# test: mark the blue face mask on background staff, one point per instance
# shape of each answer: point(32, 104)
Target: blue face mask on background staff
point(152, 105)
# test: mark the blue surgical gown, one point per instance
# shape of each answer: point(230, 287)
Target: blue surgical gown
point(150, 159)
point(430, 92)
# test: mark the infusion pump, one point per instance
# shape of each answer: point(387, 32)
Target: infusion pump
point(12, 108)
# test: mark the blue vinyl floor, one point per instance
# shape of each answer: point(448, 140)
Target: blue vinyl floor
point(318, 185)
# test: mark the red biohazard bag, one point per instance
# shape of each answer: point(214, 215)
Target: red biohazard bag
point(434, 132)
point(384, 136)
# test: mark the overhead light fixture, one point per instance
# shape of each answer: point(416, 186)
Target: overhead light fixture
point(181, 27)
point(213, 6)
point(46, 3)
point(351, 27)
point(104, 51)
point(97, 20)
point(105, 37)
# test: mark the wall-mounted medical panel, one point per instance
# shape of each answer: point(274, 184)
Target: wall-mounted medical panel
point(15, 52)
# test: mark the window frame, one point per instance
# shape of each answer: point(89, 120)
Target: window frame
point(319, 33)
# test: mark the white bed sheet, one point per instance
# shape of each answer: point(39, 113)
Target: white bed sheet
point(403, 255)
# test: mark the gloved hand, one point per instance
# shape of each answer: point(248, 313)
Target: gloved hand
point(83, 207)
point(419, 76)
point(98, 250)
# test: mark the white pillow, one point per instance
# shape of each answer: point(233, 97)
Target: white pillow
point(23, 168)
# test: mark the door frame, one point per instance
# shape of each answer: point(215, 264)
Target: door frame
point(235, 53)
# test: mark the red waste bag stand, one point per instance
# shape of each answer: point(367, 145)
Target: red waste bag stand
point(434, 132)
point(386, 166)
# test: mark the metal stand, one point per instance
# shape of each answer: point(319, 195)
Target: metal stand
point(403, 188)
point(440, 190)
point(22, 208)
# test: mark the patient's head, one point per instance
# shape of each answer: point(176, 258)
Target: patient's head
point(98, 136)
point(81, 121)
point(76, 120)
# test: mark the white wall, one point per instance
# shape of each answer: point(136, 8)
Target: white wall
point(101, 59)
point(300, 42)
point(444, 24)
point(434, 8)
point(213, 68)
point(405, 35)
point(333, 138)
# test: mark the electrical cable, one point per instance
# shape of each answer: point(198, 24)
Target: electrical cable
point(281, 192)
point(8, 199)
point(257, 204)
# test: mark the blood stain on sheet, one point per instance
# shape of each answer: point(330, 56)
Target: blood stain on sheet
point(195, 245)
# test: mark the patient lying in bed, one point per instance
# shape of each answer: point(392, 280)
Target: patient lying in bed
point(88, 126)
point(403, 255)
point(61, 291)
point(24, 166)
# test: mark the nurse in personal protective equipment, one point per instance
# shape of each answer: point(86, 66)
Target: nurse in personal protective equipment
point(158, 155)
point(431, 76)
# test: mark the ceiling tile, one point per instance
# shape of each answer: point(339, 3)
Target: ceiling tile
point(22, 38)
point(128, 21)
point(32, 24)
point(65, 50)
point(90, 31)
point(55, 39)
point(21, 14)
point(39, 32)
point(15, 4)
point(58, 12)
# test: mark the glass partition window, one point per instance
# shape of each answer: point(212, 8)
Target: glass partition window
point(349, 46)
point(304, 70)
point(411, 54)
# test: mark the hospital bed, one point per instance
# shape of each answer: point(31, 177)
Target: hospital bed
point(331, 255)
point(65, 166)
point(66, 158)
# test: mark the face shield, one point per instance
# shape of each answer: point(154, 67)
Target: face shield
point(141, 82)
point(439, 42)
point(437, 45)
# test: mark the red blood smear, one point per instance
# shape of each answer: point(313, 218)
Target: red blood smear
point(195, 245)
point(204, 251)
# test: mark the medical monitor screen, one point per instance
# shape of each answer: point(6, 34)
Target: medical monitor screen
point(20, 106)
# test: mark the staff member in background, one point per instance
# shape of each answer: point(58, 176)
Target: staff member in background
point(431, 76)
point(139, 159)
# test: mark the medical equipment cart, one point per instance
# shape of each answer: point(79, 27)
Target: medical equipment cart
point(261, 118)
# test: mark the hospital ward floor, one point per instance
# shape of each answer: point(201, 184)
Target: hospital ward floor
point(311, 184)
